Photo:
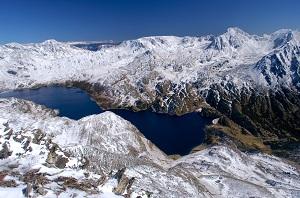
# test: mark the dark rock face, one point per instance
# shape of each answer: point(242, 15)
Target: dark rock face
point(119, 174)
point(277, 113)
point(61, 162)
point(295, 69)
point(101, 94)
point(274, 117)
point(5, 152)
point(175, 99)
point(124, 183)
point(12, 72)
point(281, 66)
point(168, 97)
point(276, 67)
point(283, 40)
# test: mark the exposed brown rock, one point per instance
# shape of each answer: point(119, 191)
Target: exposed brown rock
point(3, 174)
point(30, 176)
point(101, 181)
point(124, 183)
point(61, 162)
point(8, 183)
point(28, 190)
point(8, 134)
point(5, 152)
point(118, 175)
point(38, 136)
point(41, 190)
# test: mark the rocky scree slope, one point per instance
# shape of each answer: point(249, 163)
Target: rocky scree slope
point(43, 155)
point(250, 82)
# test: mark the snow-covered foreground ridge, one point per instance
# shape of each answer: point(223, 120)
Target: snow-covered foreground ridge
point(105, 156)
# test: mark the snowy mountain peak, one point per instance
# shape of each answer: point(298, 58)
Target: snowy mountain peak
point(235, 31)
point(232, 39)
point(282, 37)
point(50, 42)
point(13, 46)
point(281, 33)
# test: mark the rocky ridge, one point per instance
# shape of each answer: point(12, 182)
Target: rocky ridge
point(103, 155)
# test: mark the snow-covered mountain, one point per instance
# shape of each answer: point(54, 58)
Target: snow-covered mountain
point(105, 156)
point(244, 77)
point(234, 54)
point(250, 83)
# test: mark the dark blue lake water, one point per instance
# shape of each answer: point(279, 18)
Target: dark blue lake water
point(172, 134)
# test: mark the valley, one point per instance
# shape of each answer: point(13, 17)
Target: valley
point(249, 83)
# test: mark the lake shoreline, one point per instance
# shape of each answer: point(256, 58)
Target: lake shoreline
point(175, 135)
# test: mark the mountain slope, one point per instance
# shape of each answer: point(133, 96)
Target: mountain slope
point(105, 155)
point(176, 59)
point(252, 81)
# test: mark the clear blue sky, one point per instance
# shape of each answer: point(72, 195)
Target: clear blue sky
point(26, 21)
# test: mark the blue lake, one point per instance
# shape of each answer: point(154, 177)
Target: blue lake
point(172, 134)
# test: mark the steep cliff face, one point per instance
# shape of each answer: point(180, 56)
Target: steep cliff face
point(103, 155)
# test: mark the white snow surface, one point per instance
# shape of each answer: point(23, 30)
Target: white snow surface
point(219, 171)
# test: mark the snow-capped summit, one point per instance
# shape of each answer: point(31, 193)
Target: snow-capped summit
point(236, 31)
point(285, 37)
point(50, 42)
point(237, 37)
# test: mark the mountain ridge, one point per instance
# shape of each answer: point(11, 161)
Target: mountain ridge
point(39, 161)
point(234, 76)
point(249, 83)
